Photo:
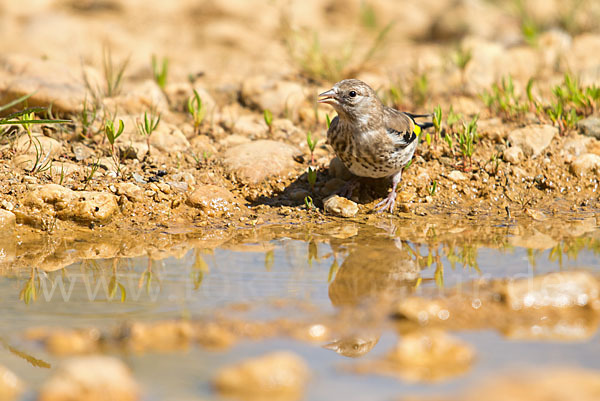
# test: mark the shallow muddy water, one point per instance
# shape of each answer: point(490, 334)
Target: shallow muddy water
point(296, 288)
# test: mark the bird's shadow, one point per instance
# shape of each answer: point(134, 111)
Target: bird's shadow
point(299, 192)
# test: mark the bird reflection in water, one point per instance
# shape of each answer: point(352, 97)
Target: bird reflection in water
point(373, 273)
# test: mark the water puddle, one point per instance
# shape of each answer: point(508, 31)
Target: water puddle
point(403, 308)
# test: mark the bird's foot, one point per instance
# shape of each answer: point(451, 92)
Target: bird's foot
point(387, 204)
point(348, 188)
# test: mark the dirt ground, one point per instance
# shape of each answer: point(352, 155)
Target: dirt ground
point(243, 62)
point(229, 90)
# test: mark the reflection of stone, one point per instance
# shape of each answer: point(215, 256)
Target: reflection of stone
point(353, 346)
point(90, 378)
point(559, 383)
point(559, 289)
point(372, 270)
point(278, 375)
point(429, 355)
point(555, 306)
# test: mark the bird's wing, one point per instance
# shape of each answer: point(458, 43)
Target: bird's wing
point(400, 126)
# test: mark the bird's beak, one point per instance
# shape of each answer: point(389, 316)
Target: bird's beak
point(327, 97)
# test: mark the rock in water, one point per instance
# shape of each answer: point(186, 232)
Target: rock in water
point(90, 378)
point(281, 375)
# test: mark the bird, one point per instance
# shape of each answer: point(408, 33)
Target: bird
point(371, 139)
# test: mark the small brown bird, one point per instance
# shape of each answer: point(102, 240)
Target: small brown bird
point(371, 139)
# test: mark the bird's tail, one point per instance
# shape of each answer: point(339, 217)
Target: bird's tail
point(424, 125)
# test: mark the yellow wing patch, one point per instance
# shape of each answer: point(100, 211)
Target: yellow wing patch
point(417, 129)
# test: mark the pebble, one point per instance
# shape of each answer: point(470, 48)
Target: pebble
point(212, 200)
point(558, 289)
point(585, 163)
point(168, 138)
point(83, 206)
point(39, 144)
point(282, 375)
point(82, 152)
point(248, 127)
point(331, 186)
point(90, 378)
point(255, 161)
point(338, 206)
point(130, 190)
point(10, 385)
point(7, 221)
point(47, 81)
point(590, 127)
point(533, 139)
point(513, 155)
point(456, 176)
point(423, 351)
point(263, 92)
point(298, 195)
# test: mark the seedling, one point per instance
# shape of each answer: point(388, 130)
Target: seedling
point(308, 202)
point(461, 59)
point(503, 100)
point(93, 169)
point(113, 74)
point(332, 64)
point(160, 73)
point(112, 134)
point(466, 140)
point(393, 96)
point(312, 177)
point(419, 90)
point(433, 188)
point(437, 119)
point(87, 116)
point(311, 146)
point(268, 117)
point(41, 162)
point(368, 18)
point(26, 117)
point(196, 109)
point(148, 125)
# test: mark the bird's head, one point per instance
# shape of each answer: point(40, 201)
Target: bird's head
point(353, 99)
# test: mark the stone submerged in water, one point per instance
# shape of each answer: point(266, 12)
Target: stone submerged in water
point(558, 290)
point(281, 375)
point(338, 206)
point(424, 356)
point(90, 378)
point(10, 385)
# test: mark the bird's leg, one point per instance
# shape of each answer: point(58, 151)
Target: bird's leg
point(349, 187)
point(389, 202)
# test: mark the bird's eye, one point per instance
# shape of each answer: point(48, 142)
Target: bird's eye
point(352, 93)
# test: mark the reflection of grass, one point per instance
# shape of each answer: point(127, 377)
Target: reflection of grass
point(31, 288)
point(571, 247)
